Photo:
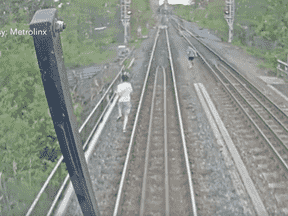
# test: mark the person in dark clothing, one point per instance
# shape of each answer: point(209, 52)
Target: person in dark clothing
point(191, 53)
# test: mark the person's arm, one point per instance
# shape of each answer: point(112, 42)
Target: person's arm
point(131, 88)
point(117, 92)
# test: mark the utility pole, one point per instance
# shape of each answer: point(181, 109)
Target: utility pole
point(165, 4)
point(125, 17)
point(229, 16)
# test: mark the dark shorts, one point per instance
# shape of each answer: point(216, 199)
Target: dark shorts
point(125, 107)
point(191, 58)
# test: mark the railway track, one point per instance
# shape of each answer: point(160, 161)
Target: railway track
point(265, 127)
point(157, 151)
point(155, 183)
point(268, 116)
point(161, 188)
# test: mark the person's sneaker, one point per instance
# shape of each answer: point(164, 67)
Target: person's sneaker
point(124, 130)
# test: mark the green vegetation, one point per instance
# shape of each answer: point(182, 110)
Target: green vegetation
point(28, 144)
point(29, 148)
point(80, 45)
point(211, 17)
point(126, 63)
point(141, 16)
point(136, 43)
point(266, 19)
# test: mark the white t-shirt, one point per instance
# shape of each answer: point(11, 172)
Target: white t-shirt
point(191, 53)
point(124, 90)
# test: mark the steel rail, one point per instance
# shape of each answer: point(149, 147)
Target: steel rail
point(270, 144)
point(193, 202)
point(264, 106)
point(166, 146)
point(61, 158)
point(263, 135)
point(143, 197)
point(257, 202)
point(133, 130)
point(67, 177)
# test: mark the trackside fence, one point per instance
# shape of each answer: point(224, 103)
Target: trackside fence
point(282, 69)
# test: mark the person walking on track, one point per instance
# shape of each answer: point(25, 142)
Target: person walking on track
point(124, 90)
point(191, 55)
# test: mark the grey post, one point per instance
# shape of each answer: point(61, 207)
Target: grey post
point(230, 11)
point(46, 35)
point(125, 17)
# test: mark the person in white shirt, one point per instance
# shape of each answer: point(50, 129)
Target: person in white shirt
point(124, 90)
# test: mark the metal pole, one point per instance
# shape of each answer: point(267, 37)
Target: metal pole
point(125, 17)
point(230, 18)
point(45, 29)
point(230, 32)
point(128, 27)
point(125, 31)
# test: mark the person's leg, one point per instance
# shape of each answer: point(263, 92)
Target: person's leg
point(126, 110)
point(192, 63)
point(119, 110)
point(125, 122)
